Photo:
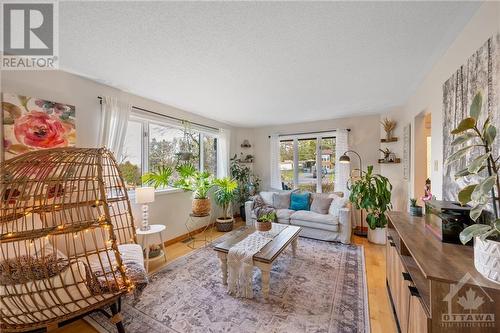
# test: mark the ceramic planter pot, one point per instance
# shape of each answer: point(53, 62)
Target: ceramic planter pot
point(201, 207)
point(415, 211)
point(263, 225)
point(487, 258)
point(243, 213)
point(377, 236)
point(223, 224)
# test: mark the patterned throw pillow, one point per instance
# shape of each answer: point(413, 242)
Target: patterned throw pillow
point(299, 201)
point(28, 268)
point(321, 204)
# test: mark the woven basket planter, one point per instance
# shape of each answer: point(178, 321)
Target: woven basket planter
point(263, 225)
point(224, 225)
point(201, 207)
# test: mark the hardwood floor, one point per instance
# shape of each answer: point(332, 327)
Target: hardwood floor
point(381, 316)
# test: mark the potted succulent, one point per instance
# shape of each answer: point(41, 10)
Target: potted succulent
point(199, 183)
point(484, 196)
point(415, 210)
point(372, 192)
point(265, 221)
point(225, 191)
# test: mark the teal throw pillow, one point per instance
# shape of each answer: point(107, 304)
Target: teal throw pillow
point(299, 201)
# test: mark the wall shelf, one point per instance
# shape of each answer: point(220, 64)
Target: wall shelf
point(396, 161)
point(389, 140)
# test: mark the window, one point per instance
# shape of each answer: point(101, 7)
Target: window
point(308, 163)
point(153, 142)
point(130, 163)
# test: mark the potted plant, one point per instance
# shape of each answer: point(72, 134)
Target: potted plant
point(158, 178)
point(225, 190)
point(199, 183)
point(246, 187)
point(485, 194)
point(415, 210)
point(265, 221)
point(372, 192)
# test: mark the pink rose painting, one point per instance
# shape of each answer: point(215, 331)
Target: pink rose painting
point(32, 124)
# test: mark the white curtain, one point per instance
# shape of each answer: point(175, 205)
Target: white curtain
point(223, 151)
point(342, 170)
point(113, 125)
point(275, 174)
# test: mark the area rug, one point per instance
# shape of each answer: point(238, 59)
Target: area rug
point(322, 289)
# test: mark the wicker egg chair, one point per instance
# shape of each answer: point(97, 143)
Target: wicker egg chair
point(67, 237)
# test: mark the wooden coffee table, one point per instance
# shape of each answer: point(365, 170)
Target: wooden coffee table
point(264, 258)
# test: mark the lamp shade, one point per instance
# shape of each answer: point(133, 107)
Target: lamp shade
point(344, 159)
point(144, 195)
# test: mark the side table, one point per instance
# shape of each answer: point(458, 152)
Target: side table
point(191, 227)
point(156, 229)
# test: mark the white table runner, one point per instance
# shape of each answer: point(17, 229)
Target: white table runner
point(240, 260)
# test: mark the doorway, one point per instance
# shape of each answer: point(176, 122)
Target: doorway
point(422, 165)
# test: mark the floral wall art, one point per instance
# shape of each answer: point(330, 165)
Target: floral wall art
point(31, 123)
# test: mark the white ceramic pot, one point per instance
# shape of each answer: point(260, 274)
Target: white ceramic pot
point(377, 236)
point(487, 258)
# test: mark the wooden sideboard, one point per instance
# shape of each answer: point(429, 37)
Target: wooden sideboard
point(433, 286)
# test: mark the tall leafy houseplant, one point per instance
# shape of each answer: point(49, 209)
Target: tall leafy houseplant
point(486, 193)
point(470, 134)
point(242, 175)
point(372, 192)
point(199, 183)
point(225, 190)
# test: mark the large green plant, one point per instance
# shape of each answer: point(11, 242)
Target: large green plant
point(158, 178)
point(242, 175)
point(372, 193)
point(225, 190)
point(190, 179)
point(201, 183)
point(469, 133)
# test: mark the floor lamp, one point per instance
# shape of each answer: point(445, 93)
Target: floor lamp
point(347, 160)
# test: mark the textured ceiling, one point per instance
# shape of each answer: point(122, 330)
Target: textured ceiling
point(261, 63)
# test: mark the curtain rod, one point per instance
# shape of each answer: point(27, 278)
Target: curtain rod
point(164, 115)
point(317, 132)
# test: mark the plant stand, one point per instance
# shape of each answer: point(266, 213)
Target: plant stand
point(192, 223)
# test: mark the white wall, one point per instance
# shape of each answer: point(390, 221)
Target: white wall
point(363, 138)
point(169, 209)
point(429, 96)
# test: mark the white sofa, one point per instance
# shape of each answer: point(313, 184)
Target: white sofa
point(334, 226)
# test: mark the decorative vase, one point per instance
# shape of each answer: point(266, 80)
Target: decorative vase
point(388, 136)
point(487, 258)
point(377, 235)
point(415, 211)
point(201, 207)
point(263, 225)
point(224, 224)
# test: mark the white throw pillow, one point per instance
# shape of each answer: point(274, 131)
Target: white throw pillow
point(337, 204)
point(267, 197)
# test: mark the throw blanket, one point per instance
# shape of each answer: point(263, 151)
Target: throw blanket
point(240, 261)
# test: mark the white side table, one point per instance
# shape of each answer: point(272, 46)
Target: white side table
point(156, 229)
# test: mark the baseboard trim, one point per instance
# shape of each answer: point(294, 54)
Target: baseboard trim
point(186, 235)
